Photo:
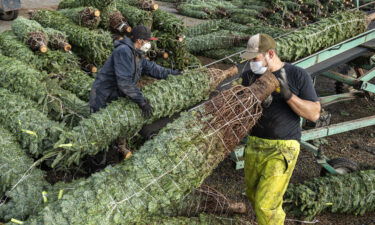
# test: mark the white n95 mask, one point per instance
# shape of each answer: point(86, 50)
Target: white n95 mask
point(146, 47)
point(257, 67)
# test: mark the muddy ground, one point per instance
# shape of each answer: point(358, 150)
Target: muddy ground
point(358, 145)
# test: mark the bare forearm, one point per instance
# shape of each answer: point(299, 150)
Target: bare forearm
point(306, 109)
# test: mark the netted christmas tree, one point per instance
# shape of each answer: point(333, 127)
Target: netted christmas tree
point(216, 40)
point(113, 20)
point(62, 66)
point(57, 40)
point(31, 33)
point(350, 193)
point(134, 15)
point(325, 33)
point(124, 118)
point(151, 182)
point(25, 80)
point(142, 4)
point(100, 4)
point(24, 119)
point(21, 184)
point(94, 46)
point(83, 16)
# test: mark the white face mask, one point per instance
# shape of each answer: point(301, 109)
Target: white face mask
point(257, 67)
point(146, 47)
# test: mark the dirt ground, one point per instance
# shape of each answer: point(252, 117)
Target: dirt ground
point(356, 145)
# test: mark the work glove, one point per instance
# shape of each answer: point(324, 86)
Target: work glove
point(146, 109)
point(176, 72)
point(266, 103)
point(284, 87)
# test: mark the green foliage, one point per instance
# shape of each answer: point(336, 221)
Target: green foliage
point(168, 23)
point(148, 183)
point(57, 39)
point(22, 27)
point(83, 16)
point(123, 117)
point(134, 15)
point(18, 181)
point(206, 9)
point(23, 79)
point(32, 128)
point(63, 65)
point(315, 37)
point(100, 4)
point(216, 40)
point(350, 193)
point(222, 53)
point(94, 46)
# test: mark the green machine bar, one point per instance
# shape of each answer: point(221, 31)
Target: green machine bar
point(340, 77)
point(337, 128)
point(336, 49)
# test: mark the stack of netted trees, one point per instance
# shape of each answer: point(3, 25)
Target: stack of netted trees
point(63, 66)
point(350, 193)
point(192, 145)
point(290, 47)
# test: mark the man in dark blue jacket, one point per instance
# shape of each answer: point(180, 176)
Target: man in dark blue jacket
point(123, 69)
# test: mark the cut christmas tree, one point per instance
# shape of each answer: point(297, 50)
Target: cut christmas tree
point(31, 33)
point(21, 184)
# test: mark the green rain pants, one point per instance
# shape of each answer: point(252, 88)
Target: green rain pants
point(269, 164)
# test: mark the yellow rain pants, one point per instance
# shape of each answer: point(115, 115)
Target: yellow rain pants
point(269, 164)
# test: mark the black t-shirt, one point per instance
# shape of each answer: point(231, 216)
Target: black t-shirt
point(279, 121)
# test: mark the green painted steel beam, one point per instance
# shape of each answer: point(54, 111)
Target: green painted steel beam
point(327, 100)
point(368, 87)
point(336, 49)
point(368, 76)
point(337, 128)
point(340, 77)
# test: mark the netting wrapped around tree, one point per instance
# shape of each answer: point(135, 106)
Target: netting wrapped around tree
point(57, 40)
point(100, 4)
point(83, 16)
point(134, 15)
point(124, 118)
point(142, 4)
point(113, 20)
point(94, 46)
point(350, 193)
point(222, 53)
point(32, 128)
point(216, 40)
point(61, 65)
point(325, 33)
point(151, 182)
point(21, 185)
point(168, 23)
point(31, 33)
point(23, 79)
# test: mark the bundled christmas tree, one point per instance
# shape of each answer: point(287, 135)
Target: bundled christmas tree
point(151, 182)
point(21, 185)
point(57, 40)
point(32, 33)
point(83, 16)
point(23, 79)
point(94, 46)
point(325, 33)
point(350, 193)
point(24, 119)
point(62, 66)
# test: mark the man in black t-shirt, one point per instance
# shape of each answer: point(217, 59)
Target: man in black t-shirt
point(273, 145)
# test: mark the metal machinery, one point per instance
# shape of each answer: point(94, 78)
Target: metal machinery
point(319, 64)
point(9, 9)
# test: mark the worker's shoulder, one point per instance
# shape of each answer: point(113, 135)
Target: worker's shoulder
point(123, 49)
point(295, 71)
